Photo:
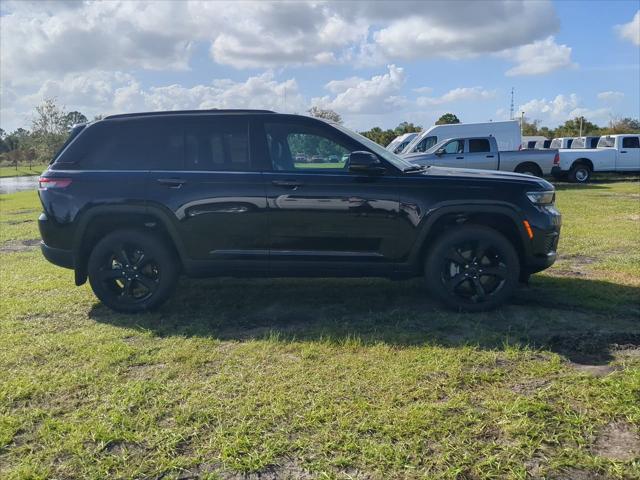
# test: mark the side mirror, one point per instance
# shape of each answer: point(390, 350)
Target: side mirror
point(440, 152)
point(365, 162)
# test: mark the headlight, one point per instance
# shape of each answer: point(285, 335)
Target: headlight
point(542, 197)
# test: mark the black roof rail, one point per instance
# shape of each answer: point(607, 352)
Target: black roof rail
point(182, 112)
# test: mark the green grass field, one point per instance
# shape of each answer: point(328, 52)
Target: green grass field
point(352, 379)
point(22, 170)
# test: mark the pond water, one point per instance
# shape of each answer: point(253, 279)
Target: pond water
point(18, 184)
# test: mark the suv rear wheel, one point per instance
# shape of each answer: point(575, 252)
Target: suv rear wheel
point(132, 271)
point(472, 268)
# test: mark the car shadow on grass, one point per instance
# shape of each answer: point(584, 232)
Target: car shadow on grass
point(584, 320)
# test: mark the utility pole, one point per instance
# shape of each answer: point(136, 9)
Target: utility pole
point(581, 118)
point(521, 123)
point(511, 110)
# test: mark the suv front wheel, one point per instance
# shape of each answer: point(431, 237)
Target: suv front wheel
point(472, 268)
point(132, 271)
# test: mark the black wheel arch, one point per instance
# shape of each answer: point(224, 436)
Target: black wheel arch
point(502, 218)
point(99, 220)
point(583, 161)
point(532, 166)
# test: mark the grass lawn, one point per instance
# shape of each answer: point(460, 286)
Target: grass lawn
point(345, 379)
point(22, 170)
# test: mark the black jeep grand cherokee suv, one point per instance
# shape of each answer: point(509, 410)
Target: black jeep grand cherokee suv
point(133, 201)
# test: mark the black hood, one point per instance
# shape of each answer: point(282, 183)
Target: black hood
point(495, 175)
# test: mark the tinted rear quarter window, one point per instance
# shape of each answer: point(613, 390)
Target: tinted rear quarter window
point(141, 144)
point(218, 144)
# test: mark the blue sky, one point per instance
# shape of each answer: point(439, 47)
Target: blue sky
point(376, 63)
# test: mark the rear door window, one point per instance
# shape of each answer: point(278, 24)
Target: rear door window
point(478, 145)
point(631, 142)
point(218, 145)
point(145, 144)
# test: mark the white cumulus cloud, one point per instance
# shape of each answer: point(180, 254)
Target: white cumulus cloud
point(540, 57)
point(378, 94)
point(610, 96)
point(562, 108)
point(458, 94)
point(630, 31)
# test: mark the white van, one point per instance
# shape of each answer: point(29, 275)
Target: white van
point(399, 143)
point(507, 135)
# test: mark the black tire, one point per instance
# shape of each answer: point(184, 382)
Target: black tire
point(529, 169)
point(472, 268)
point(132, 271)
point(579, 173)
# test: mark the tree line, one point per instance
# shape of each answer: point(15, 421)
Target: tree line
point(51, 124)
point(49, 129)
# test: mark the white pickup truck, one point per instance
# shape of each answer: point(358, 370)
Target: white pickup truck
point(482, 153)
point(614, 153)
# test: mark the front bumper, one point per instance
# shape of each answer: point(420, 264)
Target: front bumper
point(546, 227)
point(57, 256)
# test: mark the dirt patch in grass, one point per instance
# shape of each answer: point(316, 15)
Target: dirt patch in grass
point(593, 348)
point(18, 222)
point(576, 474)
point(21, 211)
point(20, 246)
point(618, 441)
point(579, 266)
point(530, 387)
point(287, 469)
point(594, 370)
point(145, 371)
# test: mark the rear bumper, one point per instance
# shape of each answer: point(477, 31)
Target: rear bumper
point(556, 171)
point(57, 256)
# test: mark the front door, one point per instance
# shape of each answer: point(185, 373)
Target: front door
point(629, 154)
point(452, 155)
point(322, 218)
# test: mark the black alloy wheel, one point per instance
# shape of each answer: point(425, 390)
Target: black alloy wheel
point(472, 268)
point(132, 271)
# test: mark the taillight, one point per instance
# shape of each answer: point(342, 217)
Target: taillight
point(556, 159)
point(45, 183)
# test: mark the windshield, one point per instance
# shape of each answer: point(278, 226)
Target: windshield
point(392, 158)
point(556, 143)
point(606, 142)
point(437, 146)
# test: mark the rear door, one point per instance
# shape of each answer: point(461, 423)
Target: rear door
point(629, 154)
point(479, 155)
point(322, 218)
point(216, 198)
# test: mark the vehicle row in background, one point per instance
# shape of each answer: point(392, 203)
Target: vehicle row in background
point(506, 134)
point(483, 153)
point(613, 153)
